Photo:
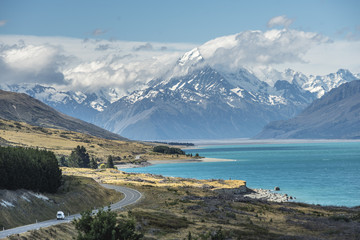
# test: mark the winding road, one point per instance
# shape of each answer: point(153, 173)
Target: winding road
point(131, 196)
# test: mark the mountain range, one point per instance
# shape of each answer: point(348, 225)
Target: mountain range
point(23, 108)
point(79, 104)
point(334, 116)
point(195, 99)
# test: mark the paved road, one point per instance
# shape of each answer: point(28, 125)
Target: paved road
point(131, 197)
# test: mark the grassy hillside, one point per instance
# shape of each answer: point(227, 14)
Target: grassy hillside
point(140, 179)
point(75, 195)
point(62, 142)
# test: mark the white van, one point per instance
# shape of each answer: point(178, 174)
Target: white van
point(60, 215)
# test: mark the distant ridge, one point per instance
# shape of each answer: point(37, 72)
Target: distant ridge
point(334, 116)
point(23, 108)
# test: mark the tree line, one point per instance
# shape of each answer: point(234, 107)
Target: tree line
point(29, 168)
point(79, 158)
point(168, 150)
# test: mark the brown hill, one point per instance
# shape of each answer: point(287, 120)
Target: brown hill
point(23, 108)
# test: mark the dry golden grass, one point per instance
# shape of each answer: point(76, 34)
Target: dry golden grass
point(112, 176)
point(63, 142)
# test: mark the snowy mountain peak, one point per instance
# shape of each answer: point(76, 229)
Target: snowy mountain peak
point(192, 57)
point(322, 84)
point(204, 102)
point(346, 74)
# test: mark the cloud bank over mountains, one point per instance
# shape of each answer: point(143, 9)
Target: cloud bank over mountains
point(33, 63)
point(125, 66)
point(84, 64)
point(256, 48)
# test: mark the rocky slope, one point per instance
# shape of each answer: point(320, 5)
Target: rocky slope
point(334, 116)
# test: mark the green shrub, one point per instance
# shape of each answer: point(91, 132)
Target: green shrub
point(104, 225)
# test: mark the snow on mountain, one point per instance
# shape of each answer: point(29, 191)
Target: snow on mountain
point(198, 98)
point(191, 57)
point(323, 84)
point(318, 85)
point(74, 103)
point(204, 103)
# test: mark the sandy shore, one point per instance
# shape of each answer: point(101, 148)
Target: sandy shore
point(170, 161)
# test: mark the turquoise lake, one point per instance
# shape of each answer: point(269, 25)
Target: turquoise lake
point(317, 173)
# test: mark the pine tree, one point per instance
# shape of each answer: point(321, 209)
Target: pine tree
point(79, 158)
point(63, 162)
point(110, 162)
point(93, 163)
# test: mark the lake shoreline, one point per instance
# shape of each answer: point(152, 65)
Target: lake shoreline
point(307, 171)
point(248, 141)
point(171, 161)
point(251, 193)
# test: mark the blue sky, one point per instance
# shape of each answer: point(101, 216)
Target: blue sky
point(173, 21)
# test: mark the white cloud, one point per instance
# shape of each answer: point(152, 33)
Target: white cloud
point(29, 58)
point(25, 63)
point(257, 48)
point(280, 21)
point(144, 47)
point(126, 73)
point(329, 57)
point(87, 64)
point(76, 64)
point(102, 47)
